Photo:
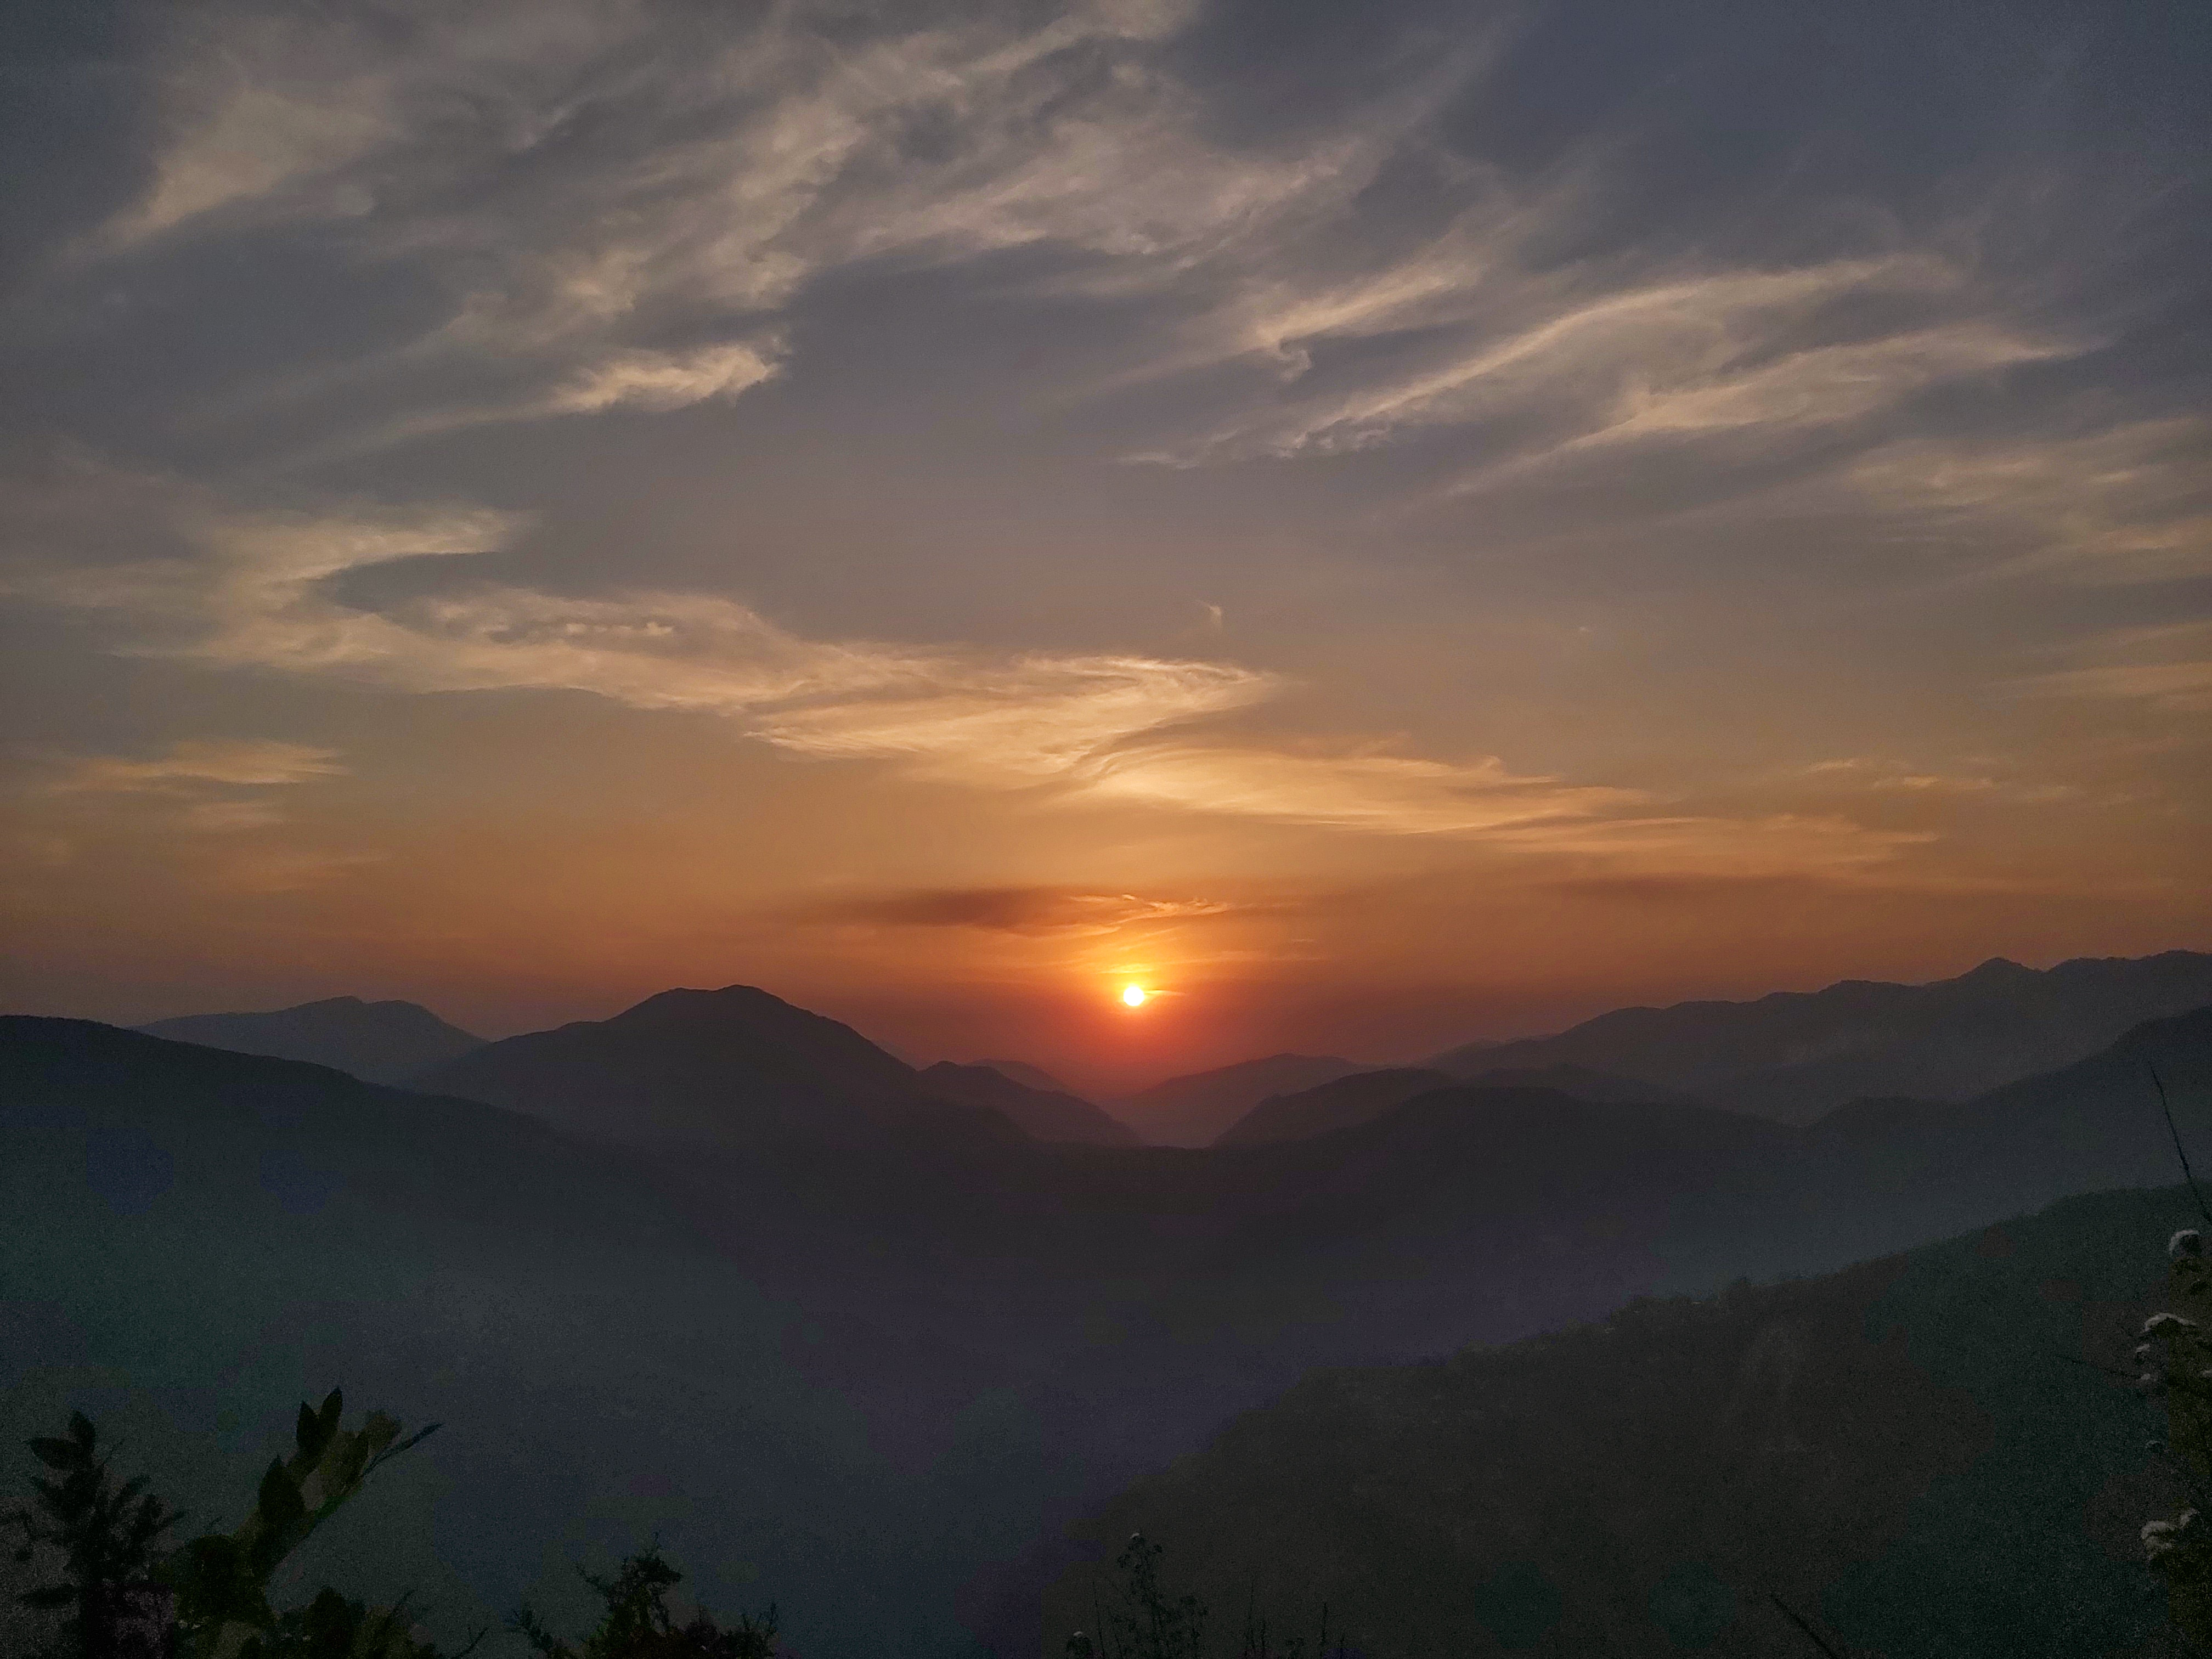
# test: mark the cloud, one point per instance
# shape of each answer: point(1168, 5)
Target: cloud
point(262, 592)
point(257, 592)
point(250, 761)
point(1032, 719)
point(578, 177)
point(1024, 910)
point(2126, 502)
point(223, 816)
point(661, 380)
point(1891, 776)
point(1381, 794)
point(1577, 361)
point(2167, 668)
point(1773, 845)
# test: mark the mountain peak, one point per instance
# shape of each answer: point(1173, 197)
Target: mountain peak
point(685, 1004)
point(1997, 969)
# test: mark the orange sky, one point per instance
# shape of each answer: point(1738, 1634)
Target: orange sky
point(936, 520)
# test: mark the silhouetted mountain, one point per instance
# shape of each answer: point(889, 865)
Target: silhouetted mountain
point(890, 1369)
point(1794, 1055)
point(1042, 1114)
point(705, 1068)
point(376, 1041)
point(1339, 1104)
point(1579, 1081)
point(1901, 1452)
point(1030, 1077)
point(1356, 1098)
point(1193, 1109)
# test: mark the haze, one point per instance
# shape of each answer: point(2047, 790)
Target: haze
point(1383, 525)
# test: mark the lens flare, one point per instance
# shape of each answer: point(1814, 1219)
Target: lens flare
point(1133, 995)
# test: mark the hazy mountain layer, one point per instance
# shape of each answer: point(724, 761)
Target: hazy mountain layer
point(1794, 1055)
point(377, 1042)
point(886, 1373)
point(1030, 1077)
point(702, 1067)
point(1193, 1109)
point(1340, 1103)
point(1042, 1114)
point(1361, 1096)
point(1902, 1452)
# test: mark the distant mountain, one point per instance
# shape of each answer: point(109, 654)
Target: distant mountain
point(1340, 1103)
point(1029, 1076)
point(376, 1041)
point(1794, 1055)
point(707, 1067)
point(1580, 1081)
point(1906, 1453)
point(1354, 1099)
point(1048, 1115)
point(1193, 1109)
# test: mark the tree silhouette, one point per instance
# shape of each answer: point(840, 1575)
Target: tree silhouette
point(210, 1599)
point(107, 1534)
point(637, 1624)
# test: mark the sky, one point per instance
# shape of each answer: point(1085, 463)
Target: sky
point(1385, 524)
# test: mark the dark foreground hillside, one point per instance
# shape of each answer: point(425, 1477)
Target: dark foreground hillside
point(1906, 1452)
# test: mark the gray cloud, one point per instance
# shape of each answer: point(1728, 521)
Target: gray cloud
point(1022, 910)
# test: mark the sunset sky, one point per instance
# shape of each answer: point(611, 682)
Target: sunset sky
point(1385, 524)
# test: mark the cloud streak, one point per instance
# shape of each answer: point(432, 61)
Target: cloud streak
point(1028, 911)
point(266, 592)
point(248, 761)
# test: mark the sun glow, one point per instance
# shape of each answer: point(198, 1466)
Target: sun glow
point(1133, 995)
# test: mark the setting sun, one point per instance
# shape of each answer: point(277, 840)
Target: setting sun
point(1133, 995)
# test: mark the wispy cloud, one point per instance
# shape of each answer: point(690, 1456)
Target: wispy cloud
point(259, 593)
point(264, 592)
point(2130, 501)
point(214, 785)
point(1383, 793)
point(1021, 910)
point(584, 180)
point(251, 761)
point(2167, 668)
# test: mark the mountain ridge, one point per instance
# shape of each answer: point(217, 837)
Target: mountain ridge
point(383, 1042)
point(1793, 1055)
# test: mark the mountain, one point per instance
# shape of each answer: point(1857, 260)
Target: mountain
point(1192, 1109)
point(1340, 1103)
point(1030, 1077)
point(882, 1375)
point(1579, 1081)
point(1047, 1115)
point(377, 1042)
point(1356, 1098)
point(706, 1068)
point(1909, 1454)
point(1795, 1055)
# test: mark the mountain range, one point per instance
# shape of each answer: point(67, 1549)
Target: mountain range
point(720, 1246)
point(1793, 1055)
point(1193, 1109)
point(1353, 1099)
point(377, 1042)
